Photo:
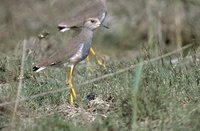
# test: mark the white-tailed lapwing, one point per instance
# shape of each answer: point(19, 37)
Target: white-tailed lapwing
point(76, 51)
point(97, 9)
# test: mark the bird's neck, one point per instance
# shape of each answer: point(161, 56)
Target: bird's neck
point(87, 34)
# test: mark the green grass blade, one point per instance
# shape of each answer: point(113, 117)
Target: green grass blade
point(136, 83)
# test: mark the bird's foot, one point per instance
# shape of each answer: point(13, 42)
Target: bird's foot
point(72, 92)
point(72, 96)
point(101, 64)
point(89, 68)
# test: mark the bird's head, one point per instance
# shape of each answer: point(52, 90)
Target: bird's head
point(92, 23)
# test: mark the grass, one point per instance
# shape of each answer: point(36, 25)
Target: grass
point(160, 94)
point(164, 96)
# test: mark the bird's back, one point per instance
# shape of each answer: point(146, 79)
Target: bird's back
point(64, 52)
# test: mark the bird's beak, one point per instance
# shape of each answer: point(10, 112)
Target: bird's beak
point(105, 26)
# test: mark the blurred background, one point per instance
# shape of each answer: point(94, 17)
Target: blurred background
point(157, 25)
point(168, 92)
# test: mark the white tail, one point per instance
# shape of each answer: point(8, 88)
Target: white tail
point(37, 69)
point(65, 29)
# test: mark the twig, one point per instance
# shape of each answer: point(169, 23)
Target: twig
point(20, 83)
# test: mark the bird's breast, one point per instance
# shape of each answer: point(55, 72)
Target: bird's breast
point(81, 54)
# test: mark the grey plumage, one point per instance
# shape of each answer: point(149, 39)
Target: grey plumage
point(75, 51)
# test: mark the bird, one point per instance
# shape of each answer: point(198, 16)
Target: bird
point(96, 9)
point(74, 52)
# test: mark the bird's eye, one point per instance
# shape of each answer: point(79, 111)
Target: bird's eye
point(93, 21)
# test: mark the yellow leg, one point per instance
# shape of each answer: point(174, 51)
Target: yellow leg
point(70, 83)
point(97, 61)
point(88, 59)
